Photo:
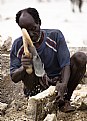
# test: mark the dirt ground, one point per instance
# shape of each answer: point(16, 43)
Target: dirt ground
point(17, 111)
point(12, 94)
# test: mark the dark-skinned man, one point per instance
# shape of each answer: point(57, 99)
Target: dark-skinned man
point(61, 71)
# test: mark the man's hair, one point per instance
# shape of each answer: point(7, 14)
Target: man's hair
point(32, 11)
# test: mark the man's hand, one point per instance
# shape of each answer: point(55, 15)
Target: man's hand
point(27, 61)
point(61, 90)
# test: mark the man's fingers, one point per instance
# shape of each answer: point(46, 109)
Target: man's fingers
point(27, 61)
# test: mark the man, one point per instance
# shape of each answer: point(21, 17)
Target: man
point(61, 71)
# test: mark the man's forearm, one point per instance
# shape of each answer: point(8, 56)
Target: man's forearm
point(65, 74)
point(18, 74)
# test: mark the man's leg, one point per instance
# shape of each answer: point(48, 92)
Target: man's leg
point(80, 5)
point(78, 69)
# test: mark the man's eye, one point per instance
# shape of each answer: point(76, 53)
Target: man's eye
point(34, 28)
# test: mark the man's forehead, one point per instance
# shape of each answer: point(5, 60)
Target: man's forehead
point(26, 18)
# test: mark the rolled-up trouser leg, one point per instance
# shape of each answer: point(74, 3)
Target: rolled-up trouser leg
point(78, 69)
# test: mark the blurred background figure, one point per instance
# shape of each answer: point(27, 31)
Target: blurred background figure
point(77, 3)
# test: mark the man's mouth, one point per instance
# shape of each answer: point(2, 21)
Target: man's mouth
point(34, 38)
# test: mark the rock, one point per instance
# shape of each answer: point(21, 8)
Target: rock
point(0, 41)
point(3, 107)
point(79, 97)
point(83, 105)
point(41, 104)
point(50, 117)
point(7, 44)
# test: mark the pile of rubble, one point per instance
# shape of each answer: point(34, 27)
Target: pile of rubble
point(15, 107)
point(41, 107)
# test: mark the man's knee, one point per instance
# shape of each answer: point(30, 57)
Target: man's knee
point(80, 58)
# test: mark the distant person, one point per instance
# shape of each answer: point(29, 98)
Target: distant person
point(78, 3)
point(63, 72)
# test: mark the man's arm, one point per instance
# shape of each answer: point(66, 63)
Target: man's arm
point(61, 88)
point(18, 74)
point(64, 61)
point(65, 74)
point(18, 68)
point(63, 58)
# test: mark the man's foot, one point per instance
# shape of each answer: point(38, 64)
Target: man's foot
point(67, 107)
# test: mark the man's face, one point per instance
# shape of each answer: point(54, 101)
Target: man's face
point(26, 21)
